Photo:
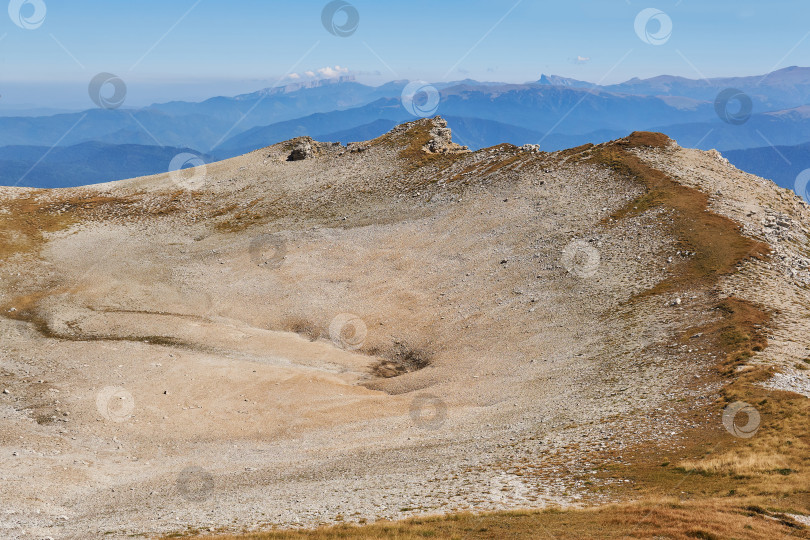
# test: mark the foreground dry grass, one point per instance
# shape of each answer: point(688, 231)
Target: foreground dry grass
point(664, 519)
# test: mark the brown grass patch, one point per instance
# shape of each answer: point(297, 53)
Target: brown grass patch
point(25, 220)
point(23, 223)
point(411, 142)
point(663, 519)
point(771, 468)
point(25, 308)
point(716, 240)
point(648, 139)
point(739, 465)
point(575, 150)
point(738, 333)
point(775, 462)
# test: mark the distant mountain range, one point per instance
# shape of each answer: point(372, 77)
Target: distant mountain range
point(383, 115)
point(555, 112)
point(783, 89)
point(82, 164)
point(787, 127)
point(238, 123)
point(782, 164)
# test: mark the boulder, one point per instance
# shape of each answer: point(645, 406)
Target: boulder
point(302, 150)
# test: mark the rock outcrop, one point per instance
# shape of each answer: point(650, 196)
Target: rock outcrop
point(441, 141)
point(302, 150)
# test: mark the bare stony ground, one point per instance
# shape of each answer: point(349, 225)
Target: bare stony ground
point(370, 332)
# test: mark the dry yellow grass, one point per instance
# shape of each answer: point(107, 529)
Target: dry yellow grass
point(24, 220)
point(664, 518)
point(733, 463)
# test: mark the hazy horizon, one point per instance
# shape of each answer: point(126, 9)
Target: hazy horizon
point(195, 50)
point(74, 93)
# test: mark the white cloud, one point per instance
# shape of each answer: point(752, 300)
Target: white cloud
point(327, 72)
point(332, 72)
point(583, 59)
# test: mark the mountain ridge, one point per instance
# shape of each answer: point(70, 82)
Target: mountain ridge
point(561, 111)
point(401, 296)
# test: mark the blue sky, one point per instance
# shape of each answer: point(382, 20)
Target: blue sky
point(190, 49)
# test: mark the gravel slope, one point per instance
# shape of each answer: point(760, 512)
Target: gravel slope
point(215, 349)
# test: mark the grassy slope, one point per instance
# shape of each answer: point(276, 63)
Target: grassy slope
point(663, 519)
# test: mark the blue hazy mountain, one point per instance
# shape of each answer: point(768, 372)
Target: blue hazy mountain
point(366, 132)
point(556, 112)
point(195, 125)
point(783, 89)
point(538, 106)
point(568, 110)
point(143, 127)
point(530, 110)
point(389, 109)
point(203, 126)
point(556, 80)
point(787, 128)
point(82, 164)
point(782, 164)
point(272, 105)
